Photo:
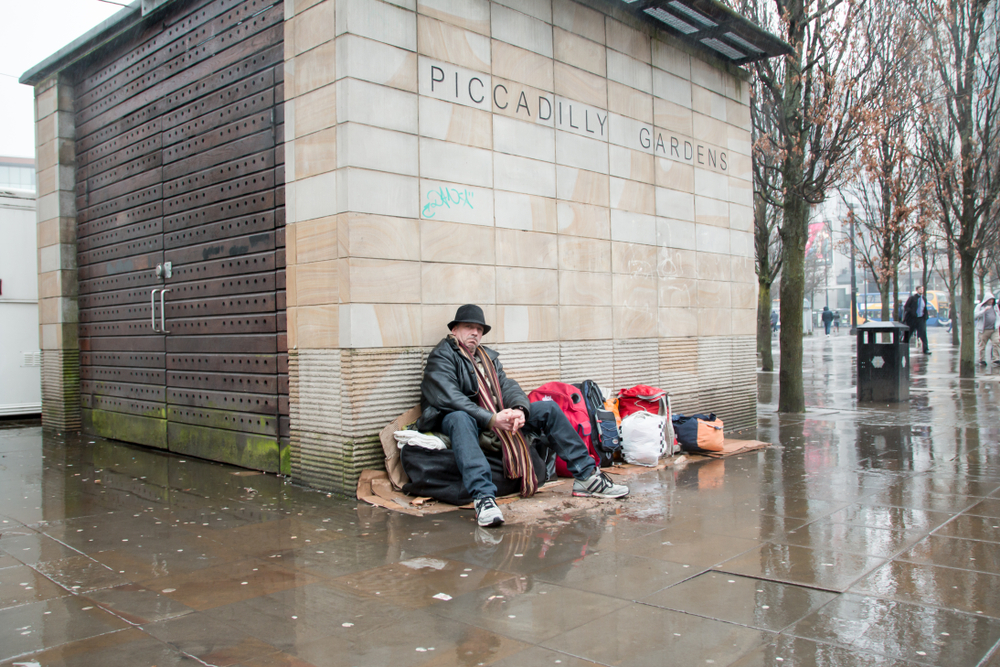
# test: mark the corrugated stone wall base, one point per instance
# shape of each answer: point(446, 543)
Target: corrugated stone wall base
point(315, 410)
point(61, 389)
point(743, 399)
point(635, 362)
point(717, 374)
point(588, 360)
point(531, 364)
point(341, 399)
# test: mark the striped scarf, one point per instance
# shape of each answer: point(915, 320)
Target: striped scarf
point(516, 458)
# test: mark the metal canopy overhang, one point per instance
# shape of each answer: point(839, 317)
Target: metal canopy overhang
point(710, 26)
point(707, 25)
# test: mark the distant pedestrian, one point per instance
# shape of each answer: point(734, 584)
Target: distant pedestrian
point(915, 317)
point(987, 319)
point(836, 321)
point(827, 319)
point(774, 322)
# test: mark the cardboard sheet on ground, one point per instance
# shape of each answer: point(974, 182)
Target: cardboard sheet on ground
point(383, 488)
point(393, 466)
point(375, 488)
point(730, 447)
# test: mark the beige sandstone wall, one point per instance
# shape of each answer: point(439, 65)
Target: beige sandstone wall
point(584, 180)
point(55, 147)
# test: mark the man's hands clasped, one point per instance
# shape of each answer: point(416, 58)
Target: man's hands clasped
point(510, 419)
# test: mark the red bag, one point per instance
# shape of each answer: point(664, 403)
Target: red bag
point(654, 400)
point(570, 401)
point(642, 397)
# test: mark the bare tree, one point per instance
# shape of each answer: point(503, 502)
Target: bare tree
point(888, 180)
point(885, 177)
point(766, 218)
point(948, 272)
point(813, 96)
point(959, 126)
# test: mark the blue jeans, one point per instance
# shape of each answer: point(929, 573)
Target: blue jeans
point(827, 326)
point(546, 421)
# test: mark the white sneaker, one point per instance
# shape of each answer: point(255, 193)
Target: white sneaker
point(487, 513)
point(599, 485)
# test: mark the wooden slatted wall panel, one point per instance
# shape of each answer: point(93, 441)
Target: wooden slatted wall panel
point(180, 160)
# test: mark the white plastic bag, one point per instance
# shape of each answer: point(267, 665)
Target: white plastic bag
point(418, 439)
point(642, 438)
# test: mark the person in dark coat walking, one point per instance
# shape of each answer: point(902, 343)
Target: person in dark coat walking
point(465, 393)
point(915, 317)
point(827, 319)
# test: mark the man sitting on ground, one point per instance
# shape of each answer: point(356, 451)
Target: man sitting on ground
point(465, 392)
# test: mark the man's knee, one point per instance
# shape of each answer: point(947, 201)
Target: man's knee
point(541, 408)
point(545, 413)
point(461, 428)
point(458, 419)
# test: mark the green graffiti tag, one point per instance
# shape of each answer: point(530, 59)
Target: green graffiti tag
point(448, 197)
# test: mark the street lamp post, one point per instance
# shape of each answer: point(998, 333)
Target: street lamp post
point(854, 278)
point(829, 259)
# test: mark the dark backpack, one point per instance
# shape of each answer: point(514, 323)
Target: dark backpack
point(603, 425)
point(570, 401)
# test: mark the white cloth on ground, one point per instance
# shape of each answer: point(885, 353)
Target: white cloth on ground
point(418, 439)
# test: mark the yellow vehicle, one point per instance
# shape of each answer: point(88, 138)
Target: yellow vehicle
point(938, 308)
point(869, 311)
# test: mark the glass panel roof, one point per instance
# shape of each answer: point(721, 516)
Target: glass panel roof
point(711, 26)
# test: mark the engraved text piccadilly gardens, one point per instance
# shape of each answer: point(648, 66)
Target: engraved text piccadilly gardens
point(451, 83)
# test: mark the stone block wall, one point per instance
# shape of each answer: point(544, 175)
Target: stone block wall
point(57, 284)
point(580, 175)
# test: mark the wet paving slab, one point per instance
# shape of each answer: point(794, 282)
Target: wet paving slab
point(639, 634)
point(866, 535)
point(755, 603)
point(902, 630)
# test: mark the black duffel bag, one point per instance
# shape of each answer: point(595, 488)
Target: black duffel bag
point(434, 473)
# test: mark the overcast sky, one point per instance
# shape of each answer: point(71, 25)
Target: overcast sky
point(31, 31)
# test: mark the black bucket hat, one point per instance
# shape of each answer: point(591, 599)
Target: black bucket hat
point(470, 313)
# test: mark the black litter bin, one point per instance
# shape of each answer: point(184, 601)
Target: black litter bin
point(883, 362)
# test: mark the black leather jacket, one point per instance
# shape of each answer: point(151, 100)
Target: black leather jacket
point(450, 384)
point(910, 310)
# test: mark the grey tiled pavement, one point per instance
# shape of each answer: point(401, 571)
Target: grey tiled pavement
point(867, 535)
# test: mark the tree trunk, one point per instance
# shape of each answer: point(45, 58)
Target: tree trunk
point(884, 291)
point(794, 232)
point(968, 252)
point(896, 315)
point(764, 326)
point(953, 296)
point(967, 277)
point(794, 218)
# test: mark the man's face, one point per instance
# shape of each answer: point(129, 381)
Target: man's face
point(468, 334)
point(920, 290)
